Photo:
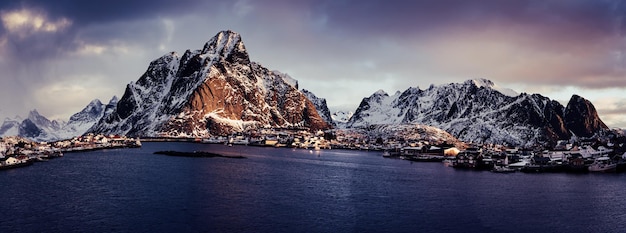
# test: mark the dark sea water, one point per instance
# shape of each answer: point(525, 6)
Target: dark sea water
point(286, 190)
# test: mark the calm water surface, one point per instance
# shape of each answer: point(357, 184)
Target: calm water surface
point(286, 190)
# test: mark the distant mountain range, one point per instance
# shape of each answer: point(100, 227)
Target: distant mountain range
point(217, 90)
point(40, 128)
point(341, 118)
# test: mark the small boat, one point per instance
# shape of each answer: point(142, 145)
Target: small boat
point(603, 164)
point(56, 154)
point(520, 164)
point(386, 154)
point(502, 169)
point(13, 162)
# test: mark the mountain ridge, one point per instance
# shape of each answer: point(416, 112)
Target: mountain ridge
point(39, 128)
point(474, 111)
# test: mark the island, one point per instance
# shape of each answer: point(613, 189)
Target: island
point(198, 154)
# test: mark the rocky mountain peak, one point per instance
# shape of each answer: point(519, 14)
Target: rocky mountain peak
point(29, 129)
point(91, 112)
point(34, 114)
point(488, 84)
point(42, 121)
point(481, 82)
point(581, 117)
point(94, 103)
point(113, 100)
point(380, 92)
point(226, 45)
point(213, 91)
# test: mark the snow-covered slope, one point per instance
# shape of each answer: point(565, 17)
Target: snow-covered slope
point(472, 111)
point(82, 121)
point(489, 84)
point(416, 132)
point(341, 118)
point(36, 127)
point(39, 128)
point(214, 90)
point(11, 127)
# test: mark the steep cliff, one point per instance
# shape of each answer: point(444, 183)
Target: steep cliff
point(581, 117)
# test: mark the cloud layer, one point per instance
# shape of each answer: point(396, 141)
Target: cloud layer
point(57, 56)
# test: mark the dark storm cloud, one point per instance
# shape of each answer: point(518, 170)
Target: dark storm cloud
point(327, 44)
point(35, 55)
point(84, 16)
point(98, 11)
point(566, 20)
point(414, 17)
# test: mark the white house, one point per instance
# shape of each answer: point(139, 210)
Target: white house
point(10, 161)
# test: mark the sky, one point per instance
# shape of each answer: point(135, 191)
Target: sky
point(57, 56)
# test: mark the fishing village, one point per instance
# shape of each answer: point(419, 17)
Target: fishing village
point(604, 153)
point(598, 154)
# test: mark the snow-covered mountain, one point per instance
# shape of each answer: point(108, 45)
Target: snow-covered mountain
point(341, 118)
point(211, 91)
point(35, 127)
point(92, 112)
point(320, 105)
point(476, 111)
point(11, 127)
point(39, 128)
point(82, 121)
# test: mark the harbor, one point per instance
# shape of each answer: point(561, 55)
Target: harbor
point(586, 155)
